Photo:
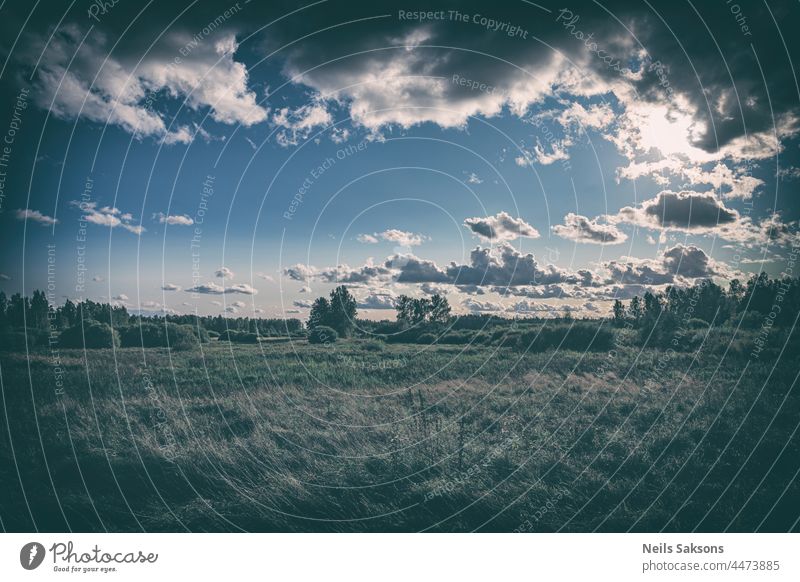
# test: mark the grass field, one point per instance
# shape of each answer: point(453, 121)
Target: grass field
point(367, 436)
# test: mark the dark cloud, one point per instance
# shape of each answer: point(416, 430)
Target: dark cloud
point(684, 210)
point(581, 229)
point(500, 227)
point(214, 289)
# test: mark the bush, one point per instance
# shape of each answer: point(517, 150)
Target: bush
point(239, 337)
point(696, 323)
point(213, 334)
point(579, 337)
point(15, 340)
point(751, 320)
point(150, 334)
point(91, 335)
point(427, 339)
point(373, 346)
point(322, 334)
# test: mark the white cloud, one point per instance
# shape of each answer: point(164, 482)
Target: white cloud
point(174, 219)
point(224, 273)
point(108, 216)
point(36, 216)
point(86, 79)
point(170, 287)
point(400, 237)
point(298, 124)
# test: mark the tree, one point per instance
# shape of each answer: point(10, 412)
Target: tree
point(404, 308)
point(342, 311)
point(320, 313)
point(440, 309)
point(635, 310)
point(619, 312)
point(3, 308)
point(39, 309)
point(652, 306)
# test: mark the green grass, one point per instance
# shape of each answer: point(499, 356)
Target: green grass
point(365, 436)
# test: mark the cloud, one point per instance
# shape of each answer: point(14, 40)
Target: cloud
point(399, 237)
point(79, 75)
point(4, 277)
point(377, 299)
point(477, 306)
point(684, 211)
point(342, 274)
point(266, 277)
point(502, 267)
point(581, 229)
point(36, 216)
point(121, 297)
point(501, 227)
point(224, 273)
point(232, 309)
point(173, 219)
point(170, 287)
point(473, 178)
point(303, 303)
point(239, 304)
point(297, 125)
point(107, 216)
point(675, 265)
point(305, 289)
point(689, 261)
point(300, 272)
point(214, 289)
point(98, 279)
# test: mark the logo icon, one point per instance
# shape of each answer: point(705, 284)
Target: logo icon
point(31, 555)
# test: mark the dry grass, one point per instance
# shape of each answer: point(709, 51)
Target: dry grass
point(292, 437)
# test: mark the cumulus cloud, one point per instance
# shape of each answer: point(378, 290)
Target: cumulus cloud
point(173, 219)
point(36, 216)
point(500, 227)
point(170, 287)
point(582, 229)
point(675, 265)
point(79, 76)
point(296, 125)
point(685, 211)
point(377, 299)
point(224, 273)
point(108, 216)
point(214, 289)
point(399, 237)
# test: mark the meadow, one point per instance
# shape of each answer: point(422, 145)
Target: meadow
point(363, 435)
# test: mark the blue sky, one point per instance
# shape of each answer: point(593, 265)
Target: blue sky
point(349, 144)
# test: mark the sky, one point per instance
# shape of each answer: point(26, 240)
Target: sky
point(521, 158)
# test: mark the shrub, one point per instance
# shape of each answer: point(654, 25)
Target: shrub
point(239, 337)
point(151, 334)
point(579, 337)
point(752, 320)
point(181, 337)
point(322, 334)
point(696, 323)
point(213, 334)
point(91, 335)
point(15, 340)
point(373, 346)
point(427, 339)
